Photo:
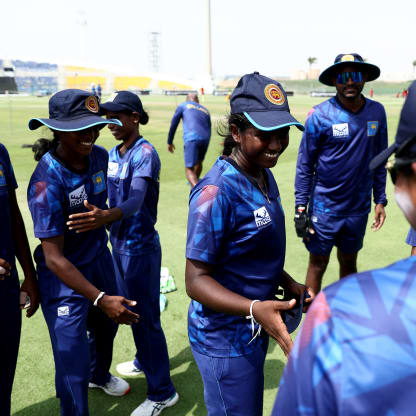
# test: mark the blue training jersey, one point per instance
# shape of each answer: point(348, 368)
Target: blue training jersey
point(55, 192)
point(196, 122)
point(232, 226)
point(7, 182)
point(411, 237)
point(332, 171)
point(356, 351)
point(135, 234)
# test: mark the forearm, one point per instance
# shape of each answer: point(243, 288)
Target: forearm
point(72, 277)
point(207, 291)
point(136, 198)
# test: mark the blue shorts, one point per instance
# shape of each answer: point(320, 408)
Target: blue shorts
point(194, 151)
point(411, 237)
point(346, 233)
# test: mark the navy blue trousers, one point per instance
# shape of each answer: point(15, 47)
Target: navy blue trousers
point(139, 279)
point(79, 331)
point(233, 386)
point(10, 324)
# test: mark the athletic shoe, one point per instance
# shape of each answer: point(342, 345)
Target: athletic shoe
point(115, 387)
point(151, 408)
point(128, 369)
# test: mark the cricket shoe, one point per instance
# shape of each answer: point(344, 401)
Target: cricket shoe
point(128, 369)
point(116, 386)
point(151, 408)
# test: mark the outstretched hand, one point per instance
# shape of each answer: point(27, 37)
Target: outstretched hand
point(87, 221)
point(267, 314)
point(379, 217)
point(113, 307)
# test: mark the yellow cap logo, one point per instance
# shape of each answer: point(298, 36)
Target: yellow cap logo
point(91, 104)
point(274, 94)
point(348, 58)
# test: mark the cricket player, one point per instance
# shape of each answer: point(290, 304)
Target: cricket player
point(333, 184)
point(196, 135)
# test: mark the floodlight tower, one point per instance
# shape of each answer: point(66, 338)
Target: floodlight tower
point(154, 52)
point(208, 78)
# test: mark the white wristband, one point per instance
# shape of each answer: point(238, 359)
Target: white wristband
point(253, 322)
point(101, 294)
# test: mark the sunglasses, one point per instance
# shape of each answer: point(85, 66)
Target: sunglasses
point(343, 77)
point(395, 165)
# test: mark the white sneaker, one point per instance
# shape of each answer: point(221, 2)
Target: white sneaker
point(151, 408)
point(116, 386)
point(128, 369)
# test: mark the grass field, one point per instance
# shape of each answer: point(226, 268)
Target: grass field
point(34, 391)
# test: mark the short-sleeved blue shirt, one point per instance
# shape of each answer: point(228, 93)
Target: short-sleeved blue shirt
point(332, 171)
point(135, 234)
point(55, 192)
point(232, 226)
point(196, 122)
point(7, 181)
point(356, 351)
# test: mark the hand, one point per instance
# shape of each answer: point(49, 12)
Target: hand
point(298, 289)
point(267, 314)
point(87, 221)
point(113, 307)
point(171, 148)
point(302, 222)
point(30, 289)
point(5, 269)
point(379, 218)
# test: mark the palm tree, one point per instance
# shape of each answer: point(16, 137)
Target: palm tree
point(311, 61)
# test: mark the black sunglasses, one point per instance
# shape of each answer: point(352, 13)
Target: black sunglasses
point(343, 77)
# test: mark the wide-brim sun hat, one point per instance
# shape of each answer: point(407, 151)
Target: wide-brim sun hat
point(72, 110)
point(264, 103)
point(349, 59)
point(406, 130)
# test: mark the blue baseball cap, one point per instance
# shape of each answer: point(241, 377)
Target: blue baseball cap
point(293, 317)
point(263, 101)
point(122, 101)
point(406, 131)
point(72, 110)
point(349, 59)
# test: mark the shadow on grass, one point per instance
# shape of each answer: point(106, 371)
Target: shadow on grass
point(186, 379)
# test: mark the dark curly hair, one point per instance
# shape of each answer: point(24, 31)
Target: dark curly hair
point(42, 146)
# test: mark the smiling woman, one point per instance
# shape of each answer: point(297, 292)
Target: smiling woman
point(75, 271)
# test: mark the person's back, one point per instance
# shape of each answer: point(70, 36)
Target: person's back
point(356, 352)
point(196, 121)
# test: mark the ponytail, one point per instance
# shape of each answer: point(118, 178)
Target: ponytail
point(144, 117)
point(224, 130)
point(43, 146)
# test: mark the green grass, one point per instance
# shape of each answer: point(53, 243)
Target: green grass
point(34, 391)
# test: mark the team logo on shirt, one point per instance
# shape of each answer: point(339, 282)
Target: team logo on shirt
point(372, 127)
point(112, 169)
point(63, 310)
point(2, 176)
point(99, 182)
point(91, 104)
point(340, 130)
point(262, 217)
point(77, 196)
point(274, 94)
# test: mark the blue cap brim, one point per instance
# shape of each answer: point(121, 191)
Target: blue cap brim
point(372, 71)
point(382, 157)
point(110, 106)
point(272, 120)
point(293, 317)
point(72, 125)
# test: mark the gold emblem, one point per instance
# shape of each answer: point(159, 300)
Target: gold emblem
point(91, 104)
point(348, 58)
point(274, 94)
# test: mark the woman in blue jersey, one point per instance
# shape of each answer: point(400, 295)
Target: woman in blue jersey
point(236, 251)
point(13, 243)
point(75, 271)
point(133, 187)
